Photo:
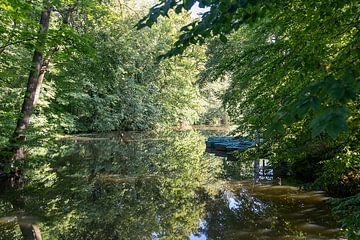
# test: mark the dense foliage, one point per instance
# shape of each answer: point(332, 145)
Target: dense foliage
point(124, 87)
point(289, 70)
point(294, 78)
point(103, 77)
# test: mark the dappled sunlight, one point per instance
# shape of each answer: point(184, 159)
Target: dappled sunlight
point(144, 187)
point(179, 119)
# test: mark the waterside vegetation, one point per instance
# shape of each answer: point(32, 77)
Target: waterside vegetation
point(286, 72)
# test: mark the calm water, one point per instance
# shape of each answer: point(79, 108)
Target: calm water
point(155, 186)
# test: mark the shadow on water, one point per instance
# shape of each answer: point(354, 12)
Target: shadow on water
point(248, 211)
point(155, 186)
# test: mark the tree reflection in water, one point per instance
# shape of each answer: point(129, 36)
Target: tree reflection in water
point(246, 211)
point(151, 186)
point(133, 188)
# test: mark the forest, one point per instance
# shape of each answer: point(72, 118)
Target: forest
point(285, 72)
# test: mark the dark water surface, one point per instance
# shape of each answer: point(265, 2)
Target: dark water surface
point(155, 186)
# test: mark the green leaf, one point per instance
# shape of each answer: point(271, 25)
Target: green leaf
point(223, 38)
point(331, 121)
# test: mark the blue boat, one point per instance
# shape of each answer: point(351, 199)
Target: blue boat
point(228, 144)
point(210, 143)
point(238, 146)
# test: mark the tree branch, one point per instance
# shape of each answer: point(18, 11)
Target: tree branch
point(3, 47)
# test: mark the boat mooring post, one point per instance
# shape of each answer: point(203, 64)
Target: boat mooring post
point(257, 158)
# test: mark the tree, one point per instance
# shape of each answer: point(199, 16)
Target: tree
point(36, 76)
point(101, 73)
point(47, 40)
point(223, 18)
point(123, 87)
point(297, 38)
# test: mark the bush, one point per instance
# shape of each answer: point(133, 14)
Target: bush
point(348, 210)
point(341, 175)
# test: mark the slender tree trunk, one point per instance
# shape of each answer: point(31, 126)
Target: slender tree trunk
point(28, 225)
point(30, 231)
point(36, 76)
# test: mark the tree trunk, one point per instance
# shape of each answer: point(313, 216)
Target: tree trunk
point(30, 231)
point(29, 227)
point(35, 79)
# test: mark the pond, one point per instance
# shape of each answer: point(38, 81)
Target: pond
point(154, 186)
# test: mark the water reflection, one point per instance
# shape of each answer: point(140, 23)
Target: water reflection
point(153, 186)
point(247, 211)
